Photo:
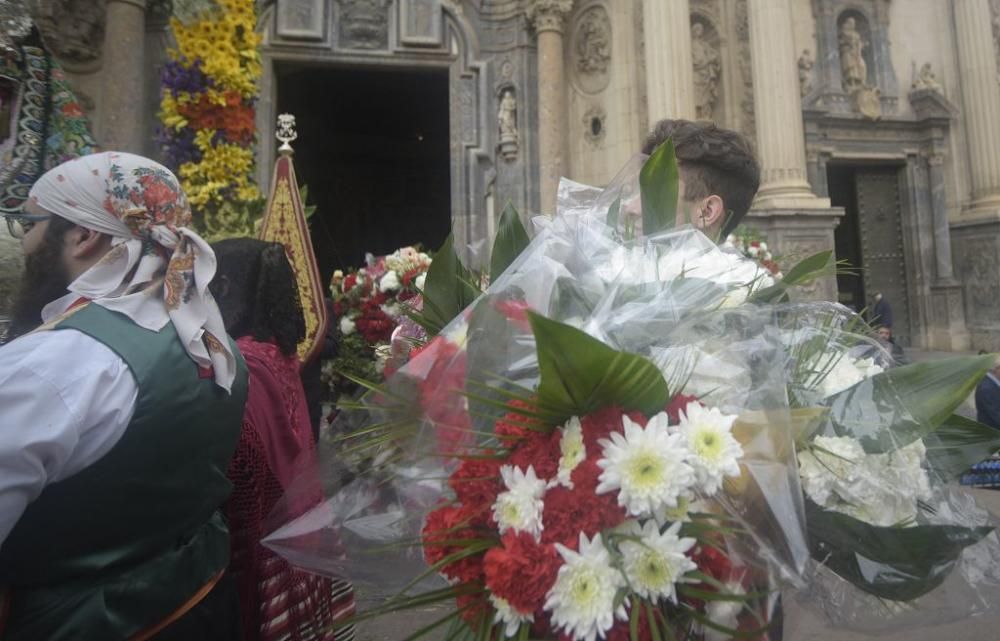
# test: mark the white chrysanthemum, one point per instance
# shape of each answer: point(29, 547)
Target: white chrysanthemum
point(724, 613)
point(508, 616)
point(572, 450)
point(389, 283)
point(843, 373)
point(519, 508)
point(419, 281)
point(657, 562)
point(347, 326)
point(382, 355)
point(647, 466)
point(582, 599)
point(880, 489)
point(715, 453)
point(832, 464)
point(392, 311)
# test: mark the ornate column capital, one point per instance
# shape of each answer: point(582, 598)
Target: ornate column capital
point(548, 15)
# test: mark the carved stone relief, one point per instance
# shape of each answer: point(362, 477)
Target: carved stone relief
point(981, 274)
point(594, 125)
point(301, 19)
point(805, 64)
point(707, 71)
point(748, 121)
point(363, 24)
point(74, 29)
point(592, 50)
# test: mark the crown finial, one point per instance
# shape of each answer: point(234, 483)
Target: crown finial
point(286, 133)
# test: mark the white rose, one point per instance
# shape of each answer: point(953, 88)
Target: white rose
point(389, 282)
point(753, 251)
point(763, 247)
point(347, 326)
point(844, 373)
point(392, 311)
point(419, 282)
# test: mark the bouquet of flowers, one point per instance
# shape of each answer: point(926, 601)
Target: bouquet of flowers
point(752, 245)
point(370, 303)
point(614, 440)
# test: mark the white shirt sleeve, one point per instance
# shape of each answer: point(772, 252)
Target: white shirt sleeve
point(65, 400)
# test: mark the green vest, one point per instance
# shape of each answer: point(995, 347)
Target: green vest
point(124, 543)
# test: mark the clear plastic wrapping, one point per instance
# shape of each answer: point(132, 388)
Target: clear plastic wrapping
point(814, 406)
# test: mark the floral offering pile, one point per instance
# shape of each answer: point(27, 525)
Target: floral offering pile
point(207, 105)
point(369, 304)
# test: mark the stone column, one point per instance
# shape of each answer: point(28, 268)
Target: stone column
point(548, 17)
point(122, 99)
point(981, 97)
point(780, 135)
point(669, 69)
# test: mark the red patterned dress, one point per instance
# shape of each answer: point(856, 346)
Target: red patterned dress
point(277, 601)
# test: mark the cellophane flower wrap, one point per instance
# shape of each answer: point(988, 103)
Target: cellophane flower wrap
point(613, 443)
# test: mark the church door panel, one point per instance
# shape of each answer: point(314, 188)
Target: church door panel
point(883, 261)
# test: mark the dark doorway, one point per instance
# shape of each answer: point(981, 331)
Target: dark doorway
point(869, 240)
point(373, 149)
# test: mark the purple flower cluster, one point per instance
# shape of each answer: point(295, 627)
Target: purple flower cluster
point(178, 146)
point(177, 77)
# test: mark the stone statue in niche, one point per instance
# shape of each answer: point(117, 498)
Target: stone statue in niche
point(507, 123)
point(925, 79)
point(806, 63)
point(593, 44)
point(707, 70)
point(853, 68)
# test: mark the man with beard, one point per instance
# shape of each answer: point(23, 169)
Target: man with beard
point(120, 406)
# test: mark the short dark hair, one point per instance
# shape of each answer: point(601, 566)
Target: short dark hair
point(255, 287)
point(712, 160)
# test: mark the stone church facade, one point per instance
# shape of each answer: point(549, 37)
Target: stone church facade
point(875, 122)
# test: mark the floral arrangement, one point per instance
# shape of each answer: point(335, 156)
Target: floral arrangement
point(207, 106)
point(370, 303)
point(643, 439)
point(752, 245)
point(588, 530)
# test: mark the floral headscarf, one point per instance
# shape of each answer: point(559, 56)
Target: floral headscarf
point(158, 269)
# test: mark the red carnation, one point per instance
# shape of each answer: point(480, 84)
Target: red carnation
point(451, 523)
point(539, 450)
point(601, 423)
point(476, 484)
point(513, 424)
point(569, 512)
point(679, 404)
point(521, 571)
point(441, 393)
point(473, 608)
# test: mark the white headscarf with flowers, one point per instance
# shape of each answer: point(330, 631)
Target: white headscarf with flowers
point(158, 269)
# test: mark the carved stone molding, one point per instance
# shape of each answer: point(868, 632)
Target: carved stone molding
point(548, 15)
point(73, 29)
point(363, 24)
point(595, 125)
point(591, 48)
point(748, 124)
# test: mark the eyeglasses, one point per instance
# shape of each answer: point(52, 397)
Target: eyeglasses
point(20, 224)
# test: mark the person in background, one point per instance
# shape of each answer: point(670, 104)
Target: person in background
point(118, 416)
point(885, 340)
point(881, 313)
point(988, 397)
point(256, 290)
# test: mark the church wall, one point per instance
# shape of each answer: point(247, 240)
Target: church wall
point(602, 90)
